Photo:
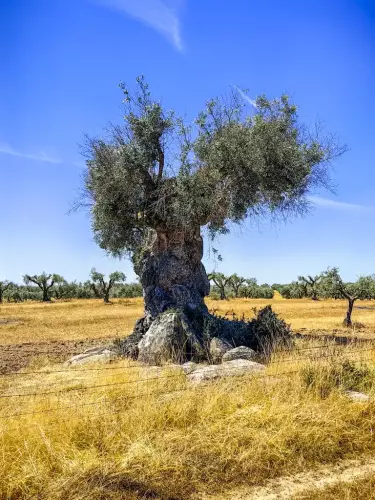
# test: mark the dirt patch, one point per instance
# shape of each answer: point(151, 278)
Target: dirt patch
point(298, 485)
point(9, 321)
point(14, 357)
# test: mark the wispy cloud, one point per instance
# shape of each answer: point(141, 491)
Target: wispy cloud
point(154, 13)
point(41, 156)
point(336, 205)
point(245, 96)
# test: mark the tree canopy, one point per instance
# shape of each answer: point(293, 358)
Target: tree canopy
point(45, 282)
point(157, 172)
point(103, 288)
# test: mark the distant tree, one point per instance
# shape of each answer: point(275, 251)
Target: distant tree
point(63, 289)
point(221, 281)
point(45, 282)
point(332, 285)
point(294, 290)
point(310, 285)
point(4, 285)
point(235, 282)
point(100, 287)
point(129, 290)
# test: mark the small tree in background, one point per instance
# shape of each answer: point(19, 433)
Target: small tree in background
point(100, 287)
point(333, 286)
point(310, 285)
point(293, 290)
point(45, 282)
point(220, 281)
point(4, 285)
point(235, 283)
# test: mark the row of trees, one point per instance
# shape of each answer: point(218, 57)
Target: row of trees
point(46, 286)
point(329, 284)
point(236, 286)
point(325, 285)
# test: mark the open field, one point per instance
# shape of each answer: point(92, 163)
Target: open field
point(79, 320)
point(124, 431)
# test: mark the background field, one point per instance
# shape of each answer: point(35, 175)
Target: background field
point(79, 320)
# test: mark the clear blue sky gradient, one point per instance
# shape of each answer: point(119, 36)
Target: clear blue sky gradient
point(63, 59)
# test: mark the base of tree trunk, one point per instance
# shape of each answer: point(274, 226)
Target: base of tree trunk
point(181, 335)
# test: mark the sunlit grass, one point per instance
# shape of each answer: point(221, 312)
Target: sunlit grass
point(152, 431)
point(125, 431)
point(82, 319)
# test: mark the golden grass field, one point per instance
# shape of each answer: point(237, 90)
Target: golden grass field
point(83, 319)
point(124, 431)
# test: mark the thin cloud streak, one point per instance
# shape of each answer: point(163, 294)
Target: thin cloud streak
point(42, 156)
point(245, 96)
point(153, 13)
point(336, 205)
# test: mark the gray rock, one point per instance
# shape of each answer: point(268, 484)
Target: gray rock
point(218, 348)
point(189, 367)
point(93, 355)
point(232, 368)
point(169, 339)
point(358, 397)
point(240, 352)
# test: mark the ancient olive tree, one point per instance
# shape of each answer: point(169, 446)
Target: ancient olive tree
point(4, 285)
point(310, 285)
point(333, 286)
point(102, 288)
point(221, 282)
point(45, 282)
point(155, 182)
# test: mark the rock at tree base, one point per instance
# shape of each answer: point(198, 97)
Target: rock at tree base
point(218, 348)
point(194, 334)
point(236, 367)
point(93, 355)
point(240, 352)
point(170, 338)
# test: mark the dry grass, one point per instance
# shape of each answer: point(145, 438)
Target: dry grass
point(74, 320)
point(147, 433)
point(82, 319)
point(154, 434)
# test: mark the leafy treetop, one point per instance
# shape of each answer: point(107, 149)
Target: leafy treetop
point(158, 172)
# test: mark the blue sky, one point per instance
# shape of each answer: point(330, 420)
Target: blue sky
point(62, 61)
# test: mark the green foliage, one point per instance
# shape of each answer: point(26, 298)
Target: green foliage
point(253, 291)
point(235, 282)
point(231, 166)
point(45, 282)
point(102, 288)
point(310, 285)
point(4, 286)
point(332, 285)
point(221, 282)
point(294, 290)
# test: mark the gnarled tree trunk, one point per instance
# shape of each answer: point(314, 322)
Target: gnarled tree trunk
point(175, 282)
point(172, 274)
point(348, 318)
